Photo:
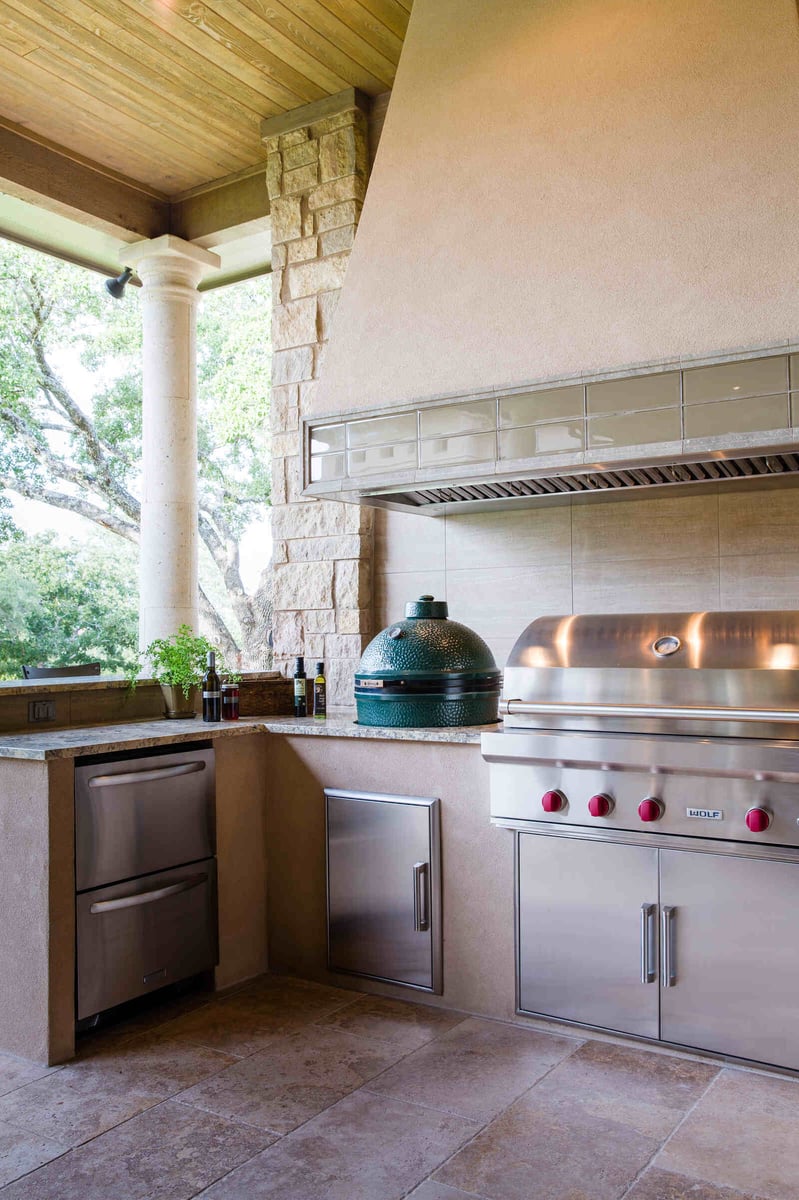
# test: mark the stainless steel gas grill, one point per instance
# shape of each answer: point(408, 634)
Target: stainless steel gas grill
point(649, 768)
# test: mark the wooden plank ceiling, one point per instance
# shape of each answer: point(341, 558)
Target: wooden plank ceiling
point(171, 93)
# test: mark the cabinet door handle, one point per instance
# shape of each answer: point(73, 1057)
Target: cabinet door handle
point(147, 776)
point(421, 913)
point(668, 972)
point(172, 889)
point(648, 943)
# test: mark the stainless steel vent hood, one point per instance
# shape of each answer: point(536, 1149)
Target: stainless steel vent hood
point(565, 196)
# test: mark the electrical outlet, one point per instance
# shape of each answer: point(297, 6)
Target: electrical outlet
point(41, 710)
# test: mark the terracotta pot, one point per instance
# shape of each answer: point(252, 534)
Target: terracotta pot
point(178, 706)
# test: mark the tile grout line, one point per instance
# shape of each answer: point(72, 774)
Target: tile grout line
point(651, 1162)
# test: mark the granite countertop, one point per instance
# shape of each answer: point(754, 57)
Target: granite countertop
point(135, 735)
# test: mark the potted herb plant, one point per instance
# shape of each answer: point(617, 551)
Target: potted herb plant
point(178, 663)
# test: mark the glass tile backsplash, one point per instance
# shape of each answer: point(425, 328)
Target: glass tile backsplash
point(735, 398)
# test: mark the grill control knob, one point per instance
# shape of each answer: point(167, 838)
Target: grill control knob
point(758, 820)
point(650, 809)
point(553, 802)
point(600, 805)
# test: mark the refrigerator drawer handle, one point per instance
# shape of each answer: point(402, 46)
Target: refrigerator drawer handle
point(648, 943)
point(668, 971)
point(185, 885)
point(154, 773)
point(421, 909)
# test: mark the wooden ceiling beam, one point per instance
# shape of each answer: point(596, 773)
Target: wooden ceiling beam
point(35, 170)
point(48, 176)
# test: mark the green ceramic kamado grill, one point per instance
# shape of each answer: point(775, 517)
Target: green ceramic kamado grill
point(427, 671)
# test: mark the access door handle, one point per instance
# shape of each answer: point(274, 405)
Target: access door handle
point(648, 943)
point(421, 906)
point(668, 969)
point(148, 776)
point(133, 901)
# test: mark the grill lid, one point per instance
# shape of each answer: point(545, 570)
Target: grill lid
point(702, 660)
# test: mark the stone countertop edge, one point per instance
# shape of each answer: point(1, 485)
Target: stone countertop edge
point(136, 735)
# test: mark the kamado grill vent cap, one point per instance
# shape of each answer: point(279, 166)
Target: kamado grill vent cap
point(427, 671)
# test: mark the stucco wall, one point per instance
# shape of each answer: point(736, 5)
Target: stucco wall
point(573, 186)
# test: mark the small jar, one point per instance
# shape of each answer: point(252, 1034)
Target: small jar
point(230, 702)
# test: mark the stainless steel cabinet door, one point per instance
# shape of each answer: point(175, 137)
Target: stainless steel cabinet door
point(384, 912)
point(138, 815)
point(735, 955)
point(137, 936)
point(587, 932)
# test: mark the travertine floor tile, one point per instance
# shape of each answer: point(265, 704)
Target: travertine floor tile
point(440, 1191)
point(587, 1129)
point(16, 1072)
point(743, 1134)
point(248, 1020)
point(366, 1147)
point(397, 1022)
point(662, 1185)
point(155, 1064)
point(21, 1152)
point(72, 1106)
point(476, 1069)
point(168, 1153)
point(295, 1078)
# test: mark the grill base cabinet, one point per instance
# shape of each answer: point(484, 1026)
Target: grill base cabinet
point(694, 947)
point(384, 887)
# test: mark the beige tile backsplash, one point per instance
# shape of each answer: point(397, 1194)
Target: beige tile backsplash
point(715, 549)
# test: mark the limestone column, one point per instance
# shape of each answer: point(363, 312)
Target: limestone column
point(170, 270)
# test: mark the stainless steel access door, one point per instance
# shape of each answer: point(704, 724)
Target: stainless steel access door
point(135, 815)
point(587, 933)
point(384, 891)
point(735, 955)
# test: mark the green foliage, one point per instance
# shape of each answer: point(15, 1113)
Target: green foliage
point(179, 660)
point(65, 602)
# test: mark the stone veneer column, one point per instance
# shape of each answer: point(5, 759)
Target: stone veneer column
point(317, 168)
point(170, 270)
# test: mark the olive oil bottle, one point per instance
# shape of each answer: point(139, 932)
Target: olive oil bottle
point(320, 693)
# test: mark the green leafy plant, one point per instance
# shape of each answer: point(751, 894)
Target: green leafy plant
point(177, 661)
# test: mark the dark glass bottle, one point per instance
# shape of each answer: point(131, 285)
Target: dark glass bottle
point(212, 691)
point(300, 698)
point(320, 693)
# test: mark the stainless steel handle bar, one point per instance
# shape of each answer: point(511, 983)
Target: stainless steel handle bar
point(185, 885)
point(683, 712)
point(146, 776)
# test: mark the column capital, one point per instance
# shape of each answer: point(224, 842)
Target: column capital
point(169, 260)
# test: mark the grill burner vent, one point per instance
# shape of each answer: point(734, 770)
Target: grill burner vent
point(712, 470)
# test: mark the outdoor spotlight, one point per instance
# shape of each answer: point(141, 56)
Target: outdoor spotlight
point(116, 287)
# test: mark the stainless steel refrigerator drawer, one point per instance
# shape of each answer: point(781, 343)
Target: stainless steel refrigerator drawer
point(134, 816)
point(137, 936)
point(384, 887)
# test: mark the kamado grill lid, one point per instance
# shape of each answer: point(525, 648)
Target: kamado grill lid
point(443, 670)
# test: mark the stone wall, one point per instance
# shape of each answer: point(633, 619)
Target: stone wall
point(317, 170)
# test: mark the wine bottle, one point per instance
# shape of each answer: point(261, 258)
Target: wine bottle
point(320, 693)
point(300, 701)
point(212, 691)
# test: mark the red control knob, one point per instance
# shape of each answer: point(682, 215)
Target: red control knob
point(758, 820)
point(600, 805)
point(553, 802)
point(650, 809)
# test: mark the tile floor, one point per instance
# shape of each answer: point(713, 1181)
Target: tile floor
point(287, 1090)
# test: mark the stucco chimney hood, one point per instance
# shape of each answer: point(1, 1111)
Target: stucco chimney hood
point(576, 264)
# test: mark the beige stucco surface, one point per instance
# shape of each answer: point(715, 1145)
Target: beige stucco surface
point(37, 929)
point(477, 859)
point(572, 187)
